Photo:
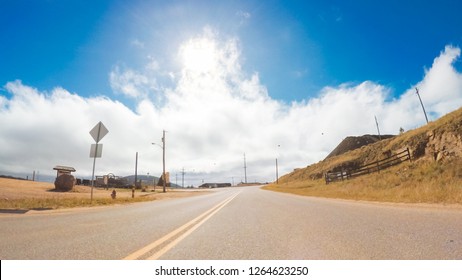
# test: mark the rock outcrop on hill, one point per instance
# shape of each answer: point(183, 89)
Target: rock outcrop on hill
point(441, 146)
point(440, 140)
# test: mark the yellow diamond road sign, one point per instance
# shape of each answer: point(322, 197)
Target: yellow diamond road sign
point(98, 132)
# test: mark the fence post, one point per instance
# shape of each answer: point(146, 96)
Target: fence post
point(397, 158)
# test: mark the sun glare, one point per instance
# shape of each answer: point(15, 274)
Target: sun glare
point(199, 55)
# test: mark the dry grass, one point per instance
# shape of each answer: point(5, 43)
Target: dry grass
point(422, 181)
point(415, 140)
point(58, 203)
point(417, 182)
point(19, 194)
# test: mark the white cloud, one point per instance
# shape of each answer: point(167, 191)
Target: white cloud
point(3, 101)
point(213, 114)
point(442, 84)
point(243, 16)
point(152, 65)
point(137, 43)
point(129, 82)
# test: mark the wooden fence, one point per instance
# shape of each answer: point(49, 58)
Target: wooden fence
point(368, 168)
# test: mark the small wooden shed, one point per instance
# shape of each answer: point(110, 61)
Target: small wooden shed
point(63, 170)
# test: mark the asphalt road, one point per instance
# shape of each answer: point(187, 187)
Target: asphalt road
point(236, 223)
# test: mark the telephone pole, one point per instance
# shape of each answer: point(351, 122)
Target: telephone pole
point(277, 175)
point(378, 130)
point(182, 178)
point(277, 169)
point(421, 103)
point(136, 169)
point(164, 183)
point(245, 170)
point(163, 162)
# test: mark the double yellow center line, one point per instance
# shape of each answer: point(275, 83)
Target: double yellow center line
point(177, 235)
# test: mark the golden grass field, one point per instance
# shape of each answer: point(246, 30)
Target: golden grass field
point(410, 182)
point(22, 194)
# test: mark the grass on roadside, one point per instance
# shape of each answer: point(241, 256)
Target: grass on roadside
point(67, 202)
point(416, 182)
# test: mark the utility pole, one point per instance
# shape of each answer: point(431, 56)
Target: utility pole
point(378, 130)
point(136, 169)
point(277, 175)
point(421, 103)
point(245, 170)
point(277, 169)
point(163, 162)
point(182, 178)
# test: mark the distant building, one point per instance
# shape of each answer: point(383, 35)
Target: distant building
point(214, 185)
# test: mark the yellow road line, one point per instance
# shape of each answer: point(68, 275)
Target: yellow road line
point(170, 245)
point(206, 215)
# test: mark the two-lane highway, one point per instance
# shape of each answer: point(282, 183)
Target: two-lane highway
point(98, 233)
point(237, 223)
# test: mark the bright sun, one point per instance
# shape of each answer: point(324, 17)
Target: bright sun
point(199, 55)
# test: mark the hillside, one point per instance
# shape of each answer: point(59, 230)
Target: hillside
point(355, 142)
point(436, 152)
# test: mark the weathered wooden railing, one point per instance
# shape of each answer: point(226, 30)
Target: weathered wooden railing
point(368, 168)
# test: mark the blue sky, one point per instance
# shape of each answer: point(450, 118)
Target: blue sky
point(297, 47)
point(286, 79)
